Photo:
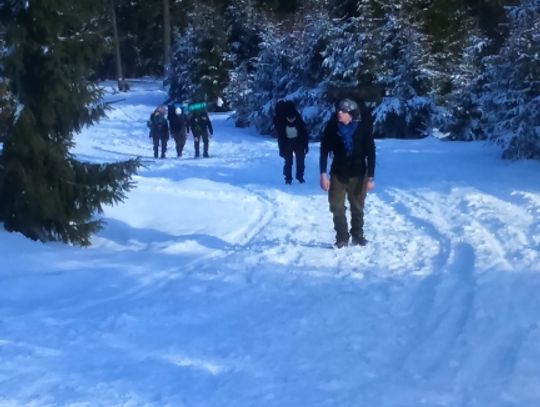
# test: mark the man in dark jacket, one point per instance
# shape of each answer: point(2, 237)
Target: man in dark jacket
point(201, 127)
point(159, 131)
point(177, 127)
point(350, 139)
point(292, 138)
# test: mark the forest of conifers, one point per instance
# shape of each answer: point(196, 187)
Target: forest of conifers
point(467, 68)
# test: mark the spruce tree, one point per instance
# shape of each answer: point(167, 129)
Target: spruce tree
point(243, 27)
point(407, 106)
point(511, 105)
point(45, 192)
point(200, 57)
point(462, 104)
point(7, 101)
point(181, 81)
point(210, 65)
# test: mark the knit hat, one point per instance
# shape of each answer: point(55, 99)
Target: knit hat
point(349, 106)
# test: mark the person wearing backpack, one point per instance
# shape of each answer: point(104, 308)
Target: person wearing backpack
point(293, 139)
point(177, 127)
point(201, 127)
point(348, 137)
point(159, 131)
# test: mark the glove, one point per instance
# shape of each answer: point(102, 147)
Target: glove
point(306, 149)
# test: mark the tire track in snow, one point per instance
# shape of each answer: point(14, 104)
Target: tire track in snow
point(446, 301)
point(427, 216)
point(496, 229)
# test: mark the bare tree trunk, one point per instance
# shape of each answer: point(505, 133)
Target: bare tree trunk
point(166, 37)
point(122, 85)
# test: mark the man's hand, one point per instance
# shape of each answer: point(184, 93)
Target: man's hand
point(325, 182)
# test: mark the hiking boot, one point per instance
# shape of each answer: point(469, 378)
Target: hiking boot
point(301, 180)
point(340, 244)
point(359, 241)
point(288, 181)
point(205, 155)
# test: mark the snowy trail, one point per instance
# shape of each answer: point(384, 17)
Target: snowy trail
point(213, 284)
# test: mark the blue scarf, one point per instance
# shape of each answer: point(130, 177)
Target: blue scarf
point(346, 132)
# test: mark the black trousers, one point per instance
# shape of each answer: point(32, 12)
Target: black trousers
point(157, 142)
point(293, 149)
point(180, 141)
point(197, 141)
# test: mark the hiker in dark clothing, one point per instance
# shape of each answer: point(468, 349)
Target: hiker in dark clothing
point(292, 138)
point(201, 127)
point(159, 131)
point(177, 127)
point(350, 139)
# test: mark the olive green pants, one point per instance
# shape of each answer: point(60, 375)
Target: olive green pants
point(355, 192)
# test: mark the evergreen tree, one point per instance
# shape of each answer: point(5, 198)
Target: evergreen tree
point(181, 81)
point(511, 104)
point(212, 59)
point(244, 23)
point(463, 115)
point(200, 59)
point(7, 100)
point(448, 25)
point(352, 52)
point(45, 192)
point(406, 109)
point(269, 79)
point(289, 67)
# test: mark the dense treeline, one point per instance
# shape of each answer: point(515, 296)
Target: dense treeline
point(421, 64)
point(465, 68)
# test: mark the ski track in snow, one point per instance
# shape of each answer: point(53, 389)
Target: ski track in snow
point(424, 274)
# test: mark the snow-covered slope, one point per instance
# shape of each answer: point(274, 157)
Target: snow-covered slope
point(213, 284)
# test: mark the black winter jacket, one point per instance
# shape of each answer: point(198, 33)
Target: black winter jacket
point(302, 138)
point(177, 122)
point(159, 128)
point(200, 124)
point(362, 160)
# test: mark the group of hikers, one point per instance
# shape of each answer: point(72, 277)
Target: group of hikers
point(173, 121)
point(347, 138)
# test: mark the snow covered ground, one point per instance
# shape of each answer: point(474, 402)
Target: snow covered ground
point(213, 284)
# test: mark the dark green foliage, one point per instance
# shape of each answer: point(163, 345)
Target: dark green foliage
point(279, 6)
point(511, 105)
point(45, 193)
point(199, 64)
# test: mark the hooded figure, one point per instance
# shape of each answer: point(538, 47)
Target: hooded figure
point(293, 139)
point(177, 124)
point(159, 131)
point(201, 127)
